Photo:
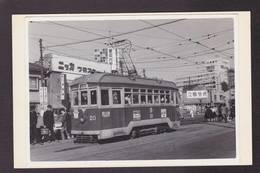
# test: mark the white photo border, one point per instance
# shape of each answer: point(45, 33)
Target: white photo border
point(242, 93)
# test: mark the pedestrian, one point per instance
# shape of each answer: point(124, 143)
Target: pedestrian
point(220, 116)
point(68, 116)
point(33, 122)
point(224, 112)
point(64, 132)
point(208, 113)
point(48, 121)
point(39, 126)
point(214, 114)
point(191, 113)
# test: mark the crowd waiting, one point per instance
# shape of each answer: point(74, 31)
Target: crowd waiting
point(219, 113)
point(49, 127)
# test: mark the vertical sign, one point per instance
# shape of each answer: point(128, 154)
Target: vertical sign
point(45, 98)
point(41, 96)
point(62, 84)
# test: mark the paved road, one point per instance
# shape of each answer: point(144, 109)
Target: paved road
point(195, 141)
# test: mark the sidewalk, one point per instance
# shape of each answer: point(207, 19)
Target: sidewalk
point(229, 124)
point(188, 120)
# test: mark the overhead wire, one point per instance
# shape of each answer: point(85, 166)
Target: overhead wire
point(106, 37)
point(184, 38)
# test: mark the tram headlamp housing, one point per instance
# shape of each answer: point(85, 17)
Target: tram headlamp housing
point(82, 120)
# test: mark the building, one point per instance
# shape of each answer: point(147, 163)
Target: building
point(34, 84)
point(211, 77)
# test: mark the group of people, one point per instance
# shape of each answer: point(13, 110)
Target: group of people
point(220, 113)
point(42, 127)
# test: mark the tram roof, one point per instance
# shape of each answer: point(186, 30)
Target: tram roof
point(113, 79)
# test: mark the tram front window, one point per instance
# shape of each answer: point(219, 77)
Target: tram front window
point(84, 97)
point(75, 98)
point(93, 96)
point(104, 97)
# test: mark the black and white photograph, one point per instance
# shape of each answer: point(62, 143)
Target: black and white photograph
point(132, 88)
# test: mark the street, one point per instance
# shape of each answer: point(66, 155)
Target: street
point(194, 141)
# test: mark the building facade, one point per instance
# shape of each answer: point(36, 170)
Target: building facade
point(212, 77)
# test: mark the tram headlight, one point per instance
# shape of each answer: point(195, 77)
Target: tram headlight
point(82, 120)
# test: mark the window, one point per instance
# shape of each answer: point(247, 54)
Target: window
point(116, 96)
point(82, 86)
point(93, 96)
point(143, 99)
point(177, 97)
point(135, 98)
point(104, 97)
point(75, 98)
point(150, 99)
point(128, 98)
point(156, 99)
point(84, 97)
point(162, 96)
point(167, 98)
point(34, 83)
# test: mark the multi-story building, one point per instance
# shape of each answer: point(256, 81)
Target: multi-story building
point(211, 77)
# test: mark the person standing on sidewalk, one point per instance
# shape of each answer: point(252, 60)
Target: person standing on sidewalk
point(64, 131)
point(33, 122)
point(224, 112)
point(48, 121)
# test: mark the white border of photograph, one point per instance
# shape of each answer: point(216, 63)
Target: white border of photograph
point(21, 90)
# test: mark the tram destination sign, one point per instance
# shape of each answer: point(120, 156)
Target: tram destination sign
point(64, 64)
point(197, 94)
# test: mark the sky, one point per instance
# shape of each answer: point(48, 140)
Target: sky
point(166, 49)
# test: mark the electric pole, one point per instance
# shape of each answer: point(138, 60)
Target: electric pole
point(41, 62)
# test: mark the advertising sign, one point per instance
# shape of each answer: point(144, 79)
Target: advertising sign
point(62, 85)
point(77, 66)
point(197, 94)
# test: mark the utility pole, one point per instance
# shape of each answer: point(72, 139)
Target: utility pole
point(41, 61)
point(43, 89)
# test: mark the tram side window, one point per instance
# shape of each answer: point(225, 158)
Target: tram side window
point(156, 97)
point(150, 99)
point(84, 97)
point(135, 99)
point(104, 97)
point(75, 98)
point(93, 96)
point(162, 96)
point(143, 99)
point(116, 97)
point(150, 96)
point(128, 98)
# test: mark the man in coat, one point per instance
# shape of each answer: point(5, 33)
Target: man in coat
point(33, 122)
point(48, 121)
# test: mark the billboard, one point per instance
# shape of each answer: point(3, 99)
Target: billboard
point(197, 94)
point(71, 65)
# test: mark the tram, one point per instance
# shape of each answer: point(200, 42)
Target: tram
point(106, 105)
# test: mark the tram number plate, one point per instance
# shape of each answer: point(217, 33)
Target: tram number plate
point(106, 114)
point(136, 115)
point(76, 114)
point(163, 113)
point(92, 117)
